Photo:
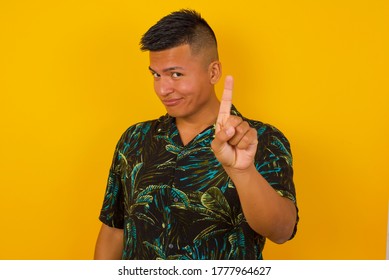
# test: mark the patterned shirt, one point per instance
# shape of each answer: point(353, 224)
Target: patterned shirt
point(177, 202)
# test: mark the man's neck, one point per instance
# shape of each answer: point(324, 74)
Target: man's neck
point(190, 127)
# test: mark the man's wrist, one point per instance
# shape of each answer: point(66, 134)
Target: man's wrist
point(232, 171)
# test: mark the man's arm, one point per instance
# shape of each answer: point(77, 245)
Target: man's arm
point(267, 212)
point(235, 146)
point(109, 245)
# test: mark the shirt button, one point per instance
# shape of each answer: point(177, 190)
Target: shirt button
point(175, 199)
point(170, 246)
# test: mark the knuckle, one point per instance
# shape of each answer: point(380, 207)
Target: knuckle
point(240, 129)
point(243, 127)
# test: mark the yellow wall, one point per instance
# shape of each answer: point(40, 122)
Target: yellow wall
point(72, 80)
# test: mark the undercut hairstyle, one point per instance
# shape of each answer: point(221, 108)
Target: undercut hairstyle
point(179, 28)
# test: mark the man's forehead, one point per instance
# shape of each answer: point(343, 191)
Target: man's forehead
point(167, 69)
point(177, 58)
point(178, 52)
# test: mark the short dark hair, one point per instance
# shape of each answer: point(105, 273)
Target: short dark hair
point(178, 28)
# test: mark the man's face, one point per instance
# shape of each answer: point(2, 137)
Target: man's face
point(182, 81)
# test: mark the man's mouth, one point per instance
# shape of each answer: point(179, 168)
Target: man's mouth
point(171, 101)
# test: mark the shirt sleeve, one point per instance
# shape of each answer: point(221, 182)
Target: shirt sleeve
point(274, 162)
point(112, 212)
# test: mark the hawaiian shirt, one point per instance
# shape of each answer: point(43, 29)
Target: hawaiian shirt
point(177, 202)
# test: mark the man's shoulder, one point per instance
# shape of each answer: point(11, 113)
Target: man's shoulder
point(269, 135)
point(263, 128)
point(143, 128)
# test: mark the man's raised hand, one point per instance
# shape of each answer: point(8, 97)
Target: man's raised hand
point(235, 142)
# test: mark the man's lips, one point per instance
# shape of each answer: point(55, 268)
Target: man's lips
point(171, 101)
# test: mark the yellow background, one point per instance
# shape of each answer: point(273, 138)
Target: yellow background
point(72, 79)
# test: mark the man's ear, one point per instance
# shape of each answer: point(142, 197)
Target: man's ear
point(215, 71)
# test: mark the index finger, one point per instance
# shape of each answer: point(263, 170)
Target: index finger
point(225, 104)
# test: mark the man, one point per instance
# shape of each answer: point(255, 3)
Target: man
point(201, 182)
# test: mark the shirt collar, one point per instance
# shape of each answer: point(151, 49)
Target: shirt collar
point(167, 124)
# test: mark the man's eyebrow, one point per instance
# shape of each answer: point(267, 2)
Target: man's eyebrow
point(167, 69)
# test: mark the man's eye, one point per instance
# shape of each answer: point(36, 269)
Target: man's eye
point(176, 74)
point(155, 75)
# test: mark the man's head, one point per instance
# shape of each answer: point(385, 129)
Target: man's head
point(184, 63)
point(179, 28)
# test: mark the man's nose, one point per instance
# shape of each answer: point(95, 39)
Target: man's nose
point(163, 86)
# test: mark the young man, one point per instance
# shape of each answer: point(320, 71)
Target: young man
point(201, 182)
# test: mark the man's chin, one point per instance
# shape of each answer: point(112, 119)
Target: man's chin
point(173, 113)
